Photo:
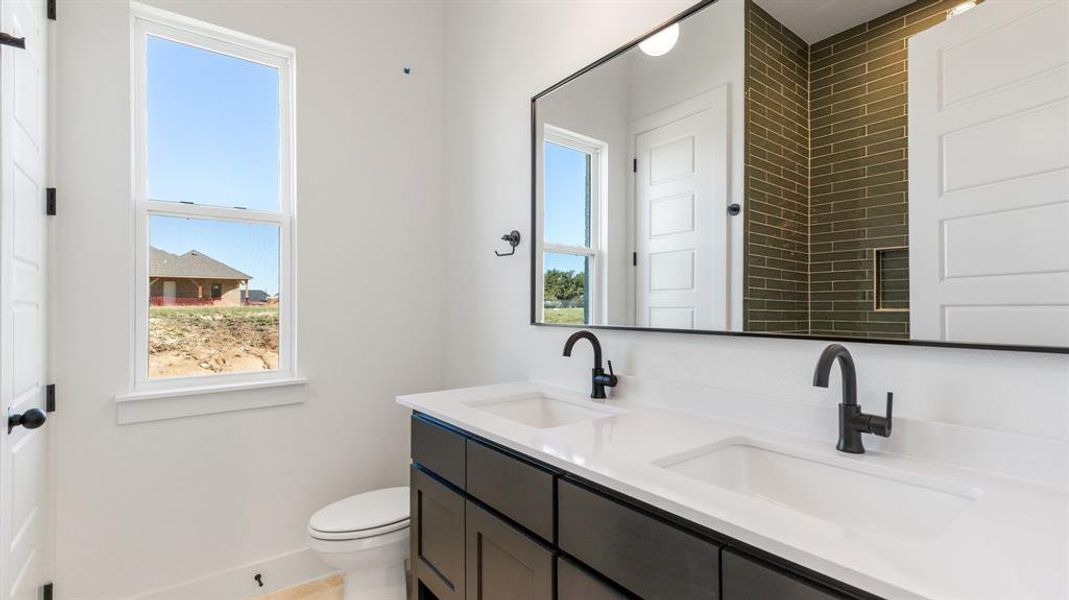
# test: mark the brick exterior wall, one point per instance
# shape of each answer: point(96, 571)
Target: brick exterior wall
point(777, 177)
point(857, 169)
point(187, 288)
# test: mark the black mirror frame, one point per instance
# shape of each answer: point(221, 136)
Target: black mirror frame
point(534, 236)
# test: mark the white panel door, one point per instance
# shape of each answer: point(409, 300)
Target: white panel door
point(989, 175)
point(24, 465)
point(680, 215)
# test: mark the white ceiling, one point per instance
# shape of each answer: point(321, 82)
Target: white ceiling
point(815, 20)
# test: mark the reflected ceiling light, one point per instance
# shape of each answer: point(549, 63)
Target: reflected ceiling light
point(961, 8)
point(661, 42)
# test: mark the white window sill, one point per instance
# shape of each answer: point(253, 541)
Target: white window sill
point(176, 403)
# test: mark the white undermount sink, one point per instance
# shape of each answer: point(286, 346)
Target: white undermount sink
point(842, 490)
point(542, 411)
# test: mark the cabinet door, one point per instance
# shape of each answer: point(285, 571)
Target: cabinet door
point(504, 564)
point(745, 579)
point(575, 583)
point(437, 537)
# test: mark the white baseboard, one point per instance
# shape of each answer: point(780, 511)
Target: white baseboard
point(279, 572)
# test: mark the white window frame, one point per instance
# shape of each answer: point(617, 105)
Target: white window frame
point(599, 153)
point(148, 21)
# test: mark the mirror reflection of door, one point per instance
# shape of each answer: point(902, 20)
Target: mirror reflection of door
point(681, 235)
point(989, 228)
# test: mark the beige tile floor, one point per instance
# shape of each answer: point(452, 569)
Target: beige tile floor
point(328, 588)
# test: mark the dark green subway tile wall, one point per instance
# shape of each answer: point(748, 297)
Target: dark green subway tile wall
point(777, 177)
point(845, 191)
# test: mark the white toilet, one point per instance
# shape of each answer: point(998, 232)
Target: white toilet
point(366, 536)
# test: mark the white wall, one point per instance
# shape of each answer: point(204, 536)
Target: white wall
point(710, 53)
point(151, 505)
point(497, 56)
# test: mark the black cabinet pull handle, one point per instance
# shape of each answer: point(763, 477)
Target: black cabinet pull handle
point(31, 419)
point(9, 40)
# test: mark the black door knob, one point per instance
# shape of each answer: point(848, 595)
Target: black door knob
point(734, 209)
point(31, 419)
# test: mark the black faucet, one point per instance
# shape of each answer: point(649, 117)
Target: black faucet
point(852, 422)
point(599, 380)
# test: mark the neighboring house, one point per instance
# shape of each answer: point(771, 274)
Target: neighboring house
point(194, 278)
point(257, 297)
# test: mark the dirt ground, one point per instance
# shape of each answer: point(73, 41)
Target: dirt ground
point(202, 340)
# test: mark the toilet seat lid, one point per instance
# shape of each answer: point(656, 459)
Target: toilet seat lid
point(374, 510)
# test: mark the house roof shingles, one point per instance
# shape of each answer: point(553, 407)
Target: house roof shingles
point(192, 264)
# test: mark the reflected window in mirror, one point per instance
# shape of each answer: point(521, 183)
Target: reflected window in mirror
point(570, 226)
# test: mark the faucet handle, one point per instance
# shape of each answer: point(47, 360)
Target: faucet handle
point(612, 377)
point(609, 380)
point(881, 426)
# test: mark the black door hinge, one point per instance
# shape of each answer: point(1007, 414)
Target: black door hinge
point(634, 165)
point(50, 201)
point(52, 10)
point(50, 398)
point(634, 259)
point(9, 40)
point(46, 591)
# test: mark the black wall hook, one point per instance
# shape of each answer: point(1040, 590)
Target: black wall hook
point(513, 238)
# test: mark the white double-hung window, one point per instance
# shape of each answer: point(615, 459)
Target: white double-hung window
point(214, 205)
point(571, 214)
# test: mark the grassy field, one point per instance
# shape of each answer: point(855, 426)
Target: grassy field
point(266, 311)
point(570, 316)
point(192, 340)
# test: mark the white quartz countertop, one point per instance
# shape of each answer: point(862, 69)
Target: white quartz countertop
point(1012, 541)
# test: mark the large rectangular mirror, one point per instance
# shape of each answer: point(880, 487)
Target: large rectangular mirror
point(888, 170)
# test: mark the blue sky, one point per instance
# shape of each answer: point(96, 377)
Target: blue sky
point(565, 204)
point(213, 139)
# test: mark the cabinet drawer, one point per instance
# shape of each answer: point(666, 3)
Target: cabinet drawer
point(574, 583)
point(503, 563)
point(516, 489)
point(745, 579)
point(437, 536)
point(644, 555)
point(439, 450)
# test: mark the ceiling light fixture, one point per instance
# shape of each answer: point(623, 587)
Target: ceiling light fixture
point(661, 42)
point(961, 8)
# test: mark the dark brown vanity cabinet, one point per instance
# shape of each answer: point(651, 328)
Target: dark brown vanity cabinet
point(491, 524)
point(503, 563)
point(651, 558)
point(576, 583)
point(746, 579)
point(437, 536)
point(439, 450)
point(512, 487)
